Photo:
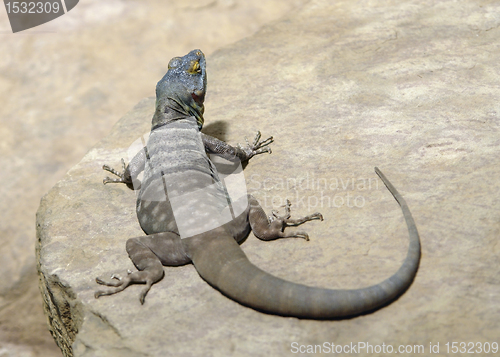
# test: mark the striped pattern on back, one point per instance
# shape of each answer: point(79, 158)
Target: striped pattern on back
point(180, 181)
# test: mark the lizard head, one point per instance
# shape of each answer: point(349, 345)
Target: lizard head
point(181, 91)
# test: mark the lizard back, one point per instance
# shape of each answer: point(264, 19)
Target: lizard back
point(180, 182)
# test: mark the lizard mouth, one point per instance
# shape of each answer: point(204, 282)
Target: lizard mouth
point(198, 98)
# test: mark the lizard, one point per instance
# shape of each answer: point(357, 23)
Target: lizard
point(176, 169)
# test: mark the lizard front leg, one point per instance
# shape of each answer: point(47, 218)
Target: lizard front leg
point(129, 172)
point(274, 227)
point(241, 152)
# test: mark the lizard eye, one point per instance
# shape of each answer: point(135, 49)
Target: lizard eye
point(195, 68)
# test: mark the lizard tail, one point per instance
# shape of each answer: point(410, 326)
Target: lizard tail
point(223, 265)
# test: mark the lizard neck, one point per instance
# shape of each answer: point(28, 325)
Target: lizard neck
point(184, 122)
point(170, 110)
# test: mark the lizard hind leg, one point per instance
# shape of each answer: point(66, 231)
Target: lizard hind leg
point(141, 251)
point(274, 227)
point(148, 254)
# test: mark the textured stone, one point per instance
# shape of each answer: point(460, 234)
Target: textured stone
point(411, 87)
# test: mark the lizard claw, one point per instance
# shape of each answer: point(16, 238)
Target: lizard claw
point(303, 235)
point(144, 292)
point(317, 215)
point(256, 139)
point(121, 175)
point(299, 234)
point(110, 283)
point(278, 223)
point(257, 146)
point(117, 283)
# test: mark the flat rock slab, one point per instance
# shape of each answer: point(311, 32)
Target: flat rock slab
point(410, 87)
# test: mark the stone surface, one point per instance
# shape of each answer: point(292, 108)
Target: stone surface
point(63, 85)
point(411, 87)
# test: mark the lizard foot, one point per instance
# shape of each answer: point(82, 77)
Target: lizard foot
point(257, 146)
point(121, 176)
point(148, 277)
point(293, 222)
point(281, 222)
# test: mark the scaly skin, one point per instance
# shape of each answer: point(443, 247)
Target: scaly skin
point(175, 164)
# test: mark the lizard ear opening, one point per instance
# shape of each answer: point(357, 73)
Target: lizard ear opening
point(174, 62)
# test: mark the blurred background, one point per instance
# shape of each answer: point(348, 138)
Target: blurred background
point(63, 85)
